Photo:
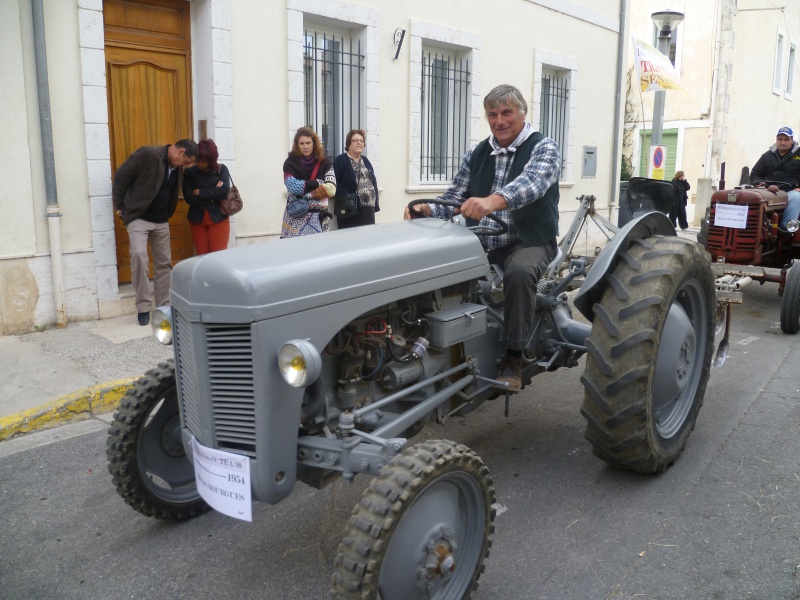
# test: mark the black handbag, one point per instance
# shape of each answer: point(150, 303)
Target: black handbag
point(346, 206)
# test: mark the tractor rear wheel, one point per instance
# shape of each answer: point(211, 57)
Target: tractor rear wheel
point(790, 304)
point(649, 354)
point(421, 530)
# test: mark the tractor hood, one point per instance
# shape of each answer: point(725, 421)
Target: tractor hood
point(751, 195)
point(279, 277)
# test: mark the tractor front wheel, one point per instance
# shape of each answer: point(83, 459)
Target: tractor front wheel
point(145, 452)
point(649, 354)
point(421, 530)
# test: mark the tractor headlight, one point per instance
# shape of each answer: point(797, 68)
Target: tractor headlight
point(162, 324)
point(299, 363)
point(793, 225)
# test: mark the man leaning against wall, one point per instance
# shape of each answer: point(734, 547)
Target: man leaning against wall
point(145, 191)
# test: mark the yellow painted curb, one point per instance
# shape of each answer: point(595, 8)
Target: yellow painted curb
point(79, 405)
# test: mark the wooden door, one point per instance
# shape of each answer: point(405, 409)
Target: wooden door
point(148, 79)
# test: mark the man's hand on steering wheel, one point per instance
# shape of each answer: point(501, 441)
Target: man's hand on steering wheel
point(417, 211)
point(477, 208)
point(411, 212)
point(774, 186)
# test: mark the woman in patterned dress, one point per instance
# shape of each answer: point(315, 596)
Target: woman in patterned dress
point(307, 173)
point(355, 175)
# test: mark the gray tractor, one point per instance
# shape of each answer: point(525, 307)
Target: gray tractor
point(314, 358)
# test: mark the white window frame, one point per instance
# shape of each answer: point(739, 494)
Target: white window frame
point(456, 41)
point(777, 76)
point(791, 71)
point(362, 25)
point(547, 60)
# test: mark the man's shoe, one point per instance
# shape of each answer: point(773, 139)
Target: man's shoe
point(144, 318)
point(510, 372)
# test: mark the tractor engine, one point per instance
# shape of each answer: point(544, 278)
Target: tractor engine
point(383, 351)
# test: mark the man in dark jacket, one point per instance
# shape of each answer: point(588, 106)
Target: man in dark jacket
point(781, 163)
point(145, 193)
point(513, 174)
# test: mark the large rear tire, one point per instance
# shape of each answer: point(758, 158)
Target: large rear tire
point(649, 354)
point(421, 530)
point(790, 303)
point(145, 451)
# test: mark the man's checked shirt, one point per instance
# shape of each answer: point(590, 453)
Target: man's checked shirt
point(539, 174)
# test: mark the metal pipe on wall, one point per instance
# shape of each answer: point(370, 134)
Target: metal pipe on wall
point(53, 212)
point(618, 102)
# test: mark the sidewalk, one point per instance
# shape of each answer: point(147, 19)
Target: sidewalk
point(60, 375)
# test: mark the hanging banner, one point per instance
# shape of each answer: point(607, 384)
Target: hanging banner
point(653, 69)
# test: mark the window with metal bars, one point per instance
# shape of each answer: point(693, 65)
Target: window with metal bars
point(333, 92)
point(553, 120)
point(446, 80)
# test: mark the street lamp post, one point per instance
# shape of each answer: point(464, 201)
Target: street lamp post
point(665, 20)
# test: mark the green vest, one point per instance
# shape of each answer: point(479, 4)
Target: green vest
point(537, 222)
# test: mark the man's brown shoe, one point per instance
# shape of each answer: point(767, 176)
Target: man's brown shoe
point(510, 372)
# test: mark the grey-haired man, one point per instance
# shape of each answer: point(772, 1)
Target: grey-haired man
point(513, 174)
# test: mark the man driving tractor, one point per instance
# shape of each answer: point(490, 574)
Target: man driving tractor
point(513, 174)
point(781, 164)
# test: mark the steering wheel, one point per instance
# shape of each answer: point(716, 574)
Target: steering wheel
point(476, 229)
point(782, 185)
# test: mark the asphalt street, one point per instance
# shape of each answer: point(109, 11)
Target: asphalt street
point(722, 523)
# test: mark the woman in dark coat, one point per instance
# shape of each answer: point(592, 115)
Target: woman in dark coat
point(355, 175)
point(308, 174)
point(679, 198)
point(204, 185)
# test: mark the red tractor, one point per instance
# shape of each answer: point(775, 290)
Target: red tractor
point(742, 233)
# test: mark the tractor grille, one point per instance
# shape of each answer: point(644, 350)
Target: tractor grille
point(736, 245)
point(228, 365)
point(230, 379)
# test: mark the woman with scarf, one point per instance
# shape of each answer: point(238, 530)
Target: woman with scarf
point(308, 174)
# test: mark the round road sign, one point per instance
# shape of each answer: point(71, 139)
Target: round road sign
point(658, 158)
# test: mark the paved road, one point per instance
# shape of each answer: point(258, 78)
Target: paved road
point(723, 523)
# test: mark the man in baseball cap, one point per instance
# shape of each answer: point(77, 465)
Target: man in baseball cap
point(781, 163)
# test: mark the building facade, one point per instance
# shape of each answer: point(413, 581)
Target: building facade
point(119, 74)
point(738, 60)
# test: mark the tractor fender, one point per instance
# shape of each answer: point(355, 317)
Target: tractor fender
point(652, 223)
